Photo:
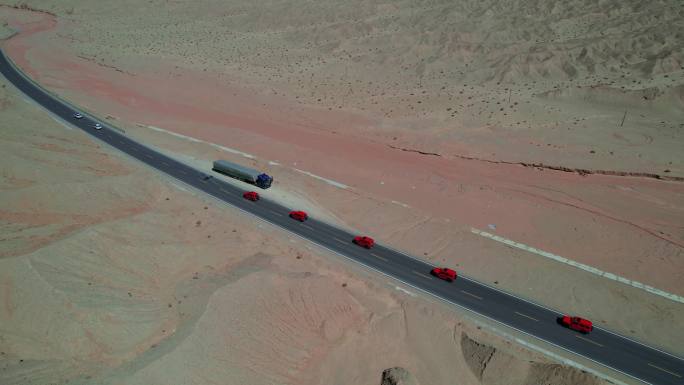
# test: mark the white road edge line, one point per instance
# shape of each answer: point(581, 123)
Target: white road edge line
point(328, 181)
point(593, 270)
point(195, 140)
point(405, 291)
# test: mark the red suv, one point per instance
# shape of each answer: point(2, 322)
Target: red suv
point(364, 241)
point(576, 323)
point(251, 195)
point(444, 273)
point(299, 215)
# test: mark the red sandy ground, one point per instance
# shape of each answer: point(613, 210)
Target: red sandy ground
point(629, 226)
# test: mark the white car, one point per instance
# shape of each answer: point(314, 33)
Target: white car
point(98, 126)
point(77, 115)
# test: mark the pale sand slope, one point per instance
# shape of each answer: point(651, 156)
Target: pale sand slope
point(110, 275)
point(627, 226)
point(527, 80)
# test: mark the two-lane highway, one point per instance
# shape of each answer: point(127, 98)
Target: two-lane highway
point(620, 353)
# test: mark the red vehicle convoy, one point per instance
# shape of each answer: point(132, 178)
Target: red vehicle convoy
point(364, 241)
point(299, 215)
point(576, 323)
point(444, 273)
point(251, 195)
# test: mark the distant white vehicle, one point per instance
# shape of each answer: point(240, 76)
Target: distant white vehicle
point(78, 115)
point(98, 126)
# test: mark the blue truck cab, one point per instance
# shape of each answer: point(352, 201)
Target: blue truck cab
point(264, 181)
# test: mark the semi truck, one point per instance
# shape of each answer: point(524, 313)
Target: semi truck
point(243, 173)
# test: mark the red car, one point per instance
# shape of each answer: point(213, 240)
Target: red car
point(364, 241)
point(251, 195)
point(299, 215)
point(444, 273)
point(576, 323)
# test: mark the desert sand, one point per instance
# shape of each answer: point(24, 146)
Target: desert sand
point(112, 274)
point(420, 115)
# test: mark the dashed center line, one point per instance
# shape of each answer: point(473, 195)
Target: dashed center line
point(664, 370)
point(339, 240)
point(471, 294)
point(165, 164)
point(421, 274)
point(224, 191)
point(276, 213)
point(308, 227)
point(148, 155)
point(379, 257)
point(588, 340)
point(526, 316)
point(122, 142)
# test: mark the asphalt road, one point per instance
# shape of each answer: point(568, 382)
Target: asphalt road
point(610, 349)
